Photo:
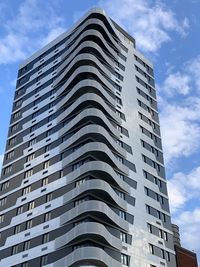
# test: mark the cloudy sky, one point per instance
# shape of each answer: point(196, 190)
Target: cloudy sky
point(168, 33)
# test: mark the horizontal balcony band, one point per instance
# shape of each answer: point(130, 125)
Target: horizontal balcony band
point(88, 114)
point(99, 149)
point(88, 228)
point(84, 70)
point(81, 86)
point(88, 97)
point(86, 45)
point(87, 255)
point(93, 22)
point(94, 206)
point(91, 131)
point(92, 186)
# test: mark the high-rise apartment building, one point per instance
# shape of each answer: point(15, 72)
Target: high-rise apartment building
point(83, 179)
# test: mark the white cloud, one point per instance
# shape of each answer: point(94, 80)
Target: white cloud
point(177, 83)
point(34, 15)
point(180, 129)
point(53, 34)
point(193, 68)
point(182, 188)
point(189, 222)
point(177, 195)
point(183, 81)
point(12, 48)
point(180, 118)
point(34, 24)
point(149, 23)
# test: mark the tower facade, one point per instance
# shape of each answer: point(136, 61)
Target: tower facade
point(83, 179)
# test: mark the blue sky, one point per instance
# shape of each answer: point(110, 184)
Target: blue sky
point(167, 32)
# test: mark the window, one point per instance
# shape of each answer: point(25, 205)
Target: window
point(165, 236)
point(10, 154)
point(29, 224)
point(31, 205)
point(163, 217)
point(163, 253)
point(18, 103)
point(17, 229)
point(145, 174)
point(5, 185)
point(161, 199)
point(61, 174)
point(123, 237)
point(14, 127)
point(32, 142)
point(118, 87)
point(119, 76)
point(41, 66)
point(52, 92)
point(156, 196)
point(48, 133)
point(26, 190)
point(124, 259)
point(52, 104)
point(25, 264)
point(79, 201)
point(28, 173)
point(119, 128)
point(46, 164)
point(47, 148)
point(49, 197)
point(122, 214)
point(44, 260)
point(151, 249)
point(118, 113)
point(16, 115)
point(35, 114)
point(14, 249)
point(149, 227)
point(148, 209)
point(120, 194)
point(37, 101)
point(2, 218)
point(12, 141)
point(158, 214)
point(47, 216)
point(45, 238)
point(120, 159)
point(50, 118)
point(120, 143)
point(22, 80)
point(27, 245)
point(77, 246)
point(146, 190)
point(79, 182)
point(167, 255)
point(8, 169)
point(33, 128)
point(30, 157)
point(45, 181)
point(118, 100)
point(3, 201)
point(160, 233)
point(144, 158)
point(20, 210)
point(77, 165)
